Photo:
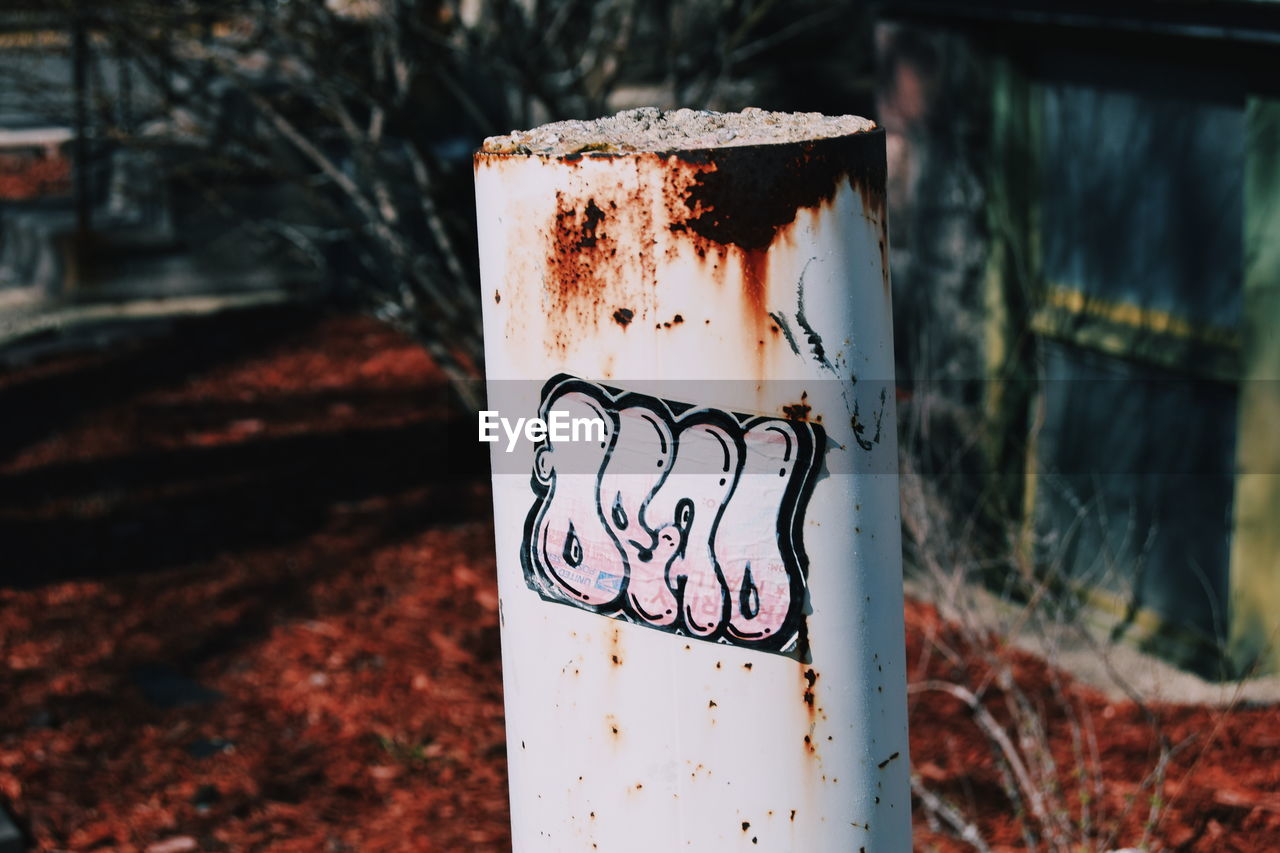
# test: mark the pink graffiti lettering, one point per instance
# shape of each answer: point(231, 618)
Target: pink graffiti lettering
point(570, 542)
point(684, 519)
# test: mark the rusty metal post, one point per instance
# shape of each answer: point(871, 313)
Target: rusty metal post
point(702, 629)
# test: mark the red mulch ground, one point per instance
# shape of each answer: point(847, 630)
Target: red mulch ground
point(247, 603)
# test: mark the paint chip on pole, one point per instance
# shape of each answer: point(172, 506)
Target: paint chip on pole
point(702, 609)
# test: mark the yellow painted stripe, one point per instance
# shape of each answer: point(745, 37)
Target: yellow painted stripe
point(1136, 317)
point(31, 39)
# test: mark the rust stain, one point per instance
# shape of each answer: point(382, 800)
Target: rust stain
point(873, 198)
point(755, 278)
point(734, 204)
point(884, 260)
point(592, 216)
point(746, 196)
point(798, 411)
point(755, 291)
point(883, 764)
point(742, 196)
point(581, 262)
point(615, 647)
point(811, 678)
point(643, 206)
point(871, 189)
point(599, 263)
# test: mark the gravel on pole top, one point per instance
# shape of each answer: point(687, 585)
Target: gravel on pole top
point(651, 129)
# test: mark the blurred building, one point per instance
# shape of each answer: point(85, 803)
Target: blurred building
point(34, 163)
point(90, 206)
point(1085, 209)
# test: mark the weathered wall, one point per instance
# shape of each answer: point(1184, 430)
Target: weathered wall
point(931, 102)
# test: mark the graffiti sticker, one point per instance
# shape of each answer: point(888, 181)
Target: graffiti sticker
point(683, 519)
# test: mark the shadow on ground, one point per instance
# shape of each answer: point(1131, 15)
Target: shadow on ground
point(186, 479)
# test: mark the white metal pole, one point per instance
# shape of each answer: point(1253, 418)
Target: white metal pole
point(702, 625)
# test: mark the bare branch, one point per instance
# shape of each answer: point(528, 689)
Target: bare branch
point(1030, 792)
point(965, 830)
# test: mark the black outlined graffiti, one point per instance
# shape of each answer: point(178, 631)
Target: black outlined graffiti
point(684, 519)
